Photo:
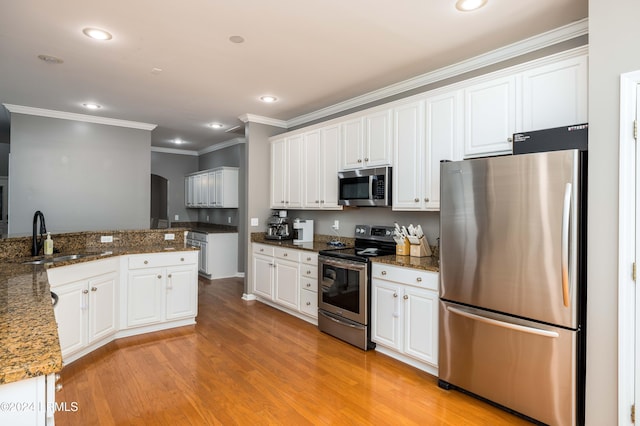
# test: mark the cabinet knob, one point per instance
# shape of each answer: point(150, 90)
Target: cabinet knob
point(359, 160)
point(383, 273)
point(146, 262)
point(159, 276)
point(416, 199)
point(405, 297)
point(182, 259)
point(317, 201)
point(261, 249)
point(308, 272)
point(94, 289)
point(308, 303)
point(308, 258)
point(282, 201)
point(286, 254)
point(308, 284)
point(395, 294)
point(322, 201)
point(419, 279)
point(57, 376)
point(85, 291)
point(510, 139)
point(169, 276)
point(366, 159)
point(426, 200)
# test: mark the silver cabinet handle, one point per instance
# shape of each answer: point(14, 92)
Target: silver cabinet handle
point(503, 324)
point(395, 294)
point(419, 279)
point(94, 289)
point(366, 159)
point(85, 291)
point(383, 273)
point(58, 387)
point(57, 376)
point(405, 297)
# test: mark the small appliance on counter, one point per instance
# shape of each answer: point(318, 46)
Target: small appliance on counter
point(302, 231)
point(279, 226)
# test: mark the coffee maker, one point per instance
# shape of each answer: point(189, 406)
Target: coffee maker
point(302, 231)
point(279, 226)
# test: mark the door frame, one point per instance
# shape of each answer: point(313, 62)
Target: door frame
point(628, 240)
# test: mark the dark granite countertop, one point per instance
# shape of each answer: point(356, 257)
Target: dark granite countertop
point(28, 329)
point(428, 263)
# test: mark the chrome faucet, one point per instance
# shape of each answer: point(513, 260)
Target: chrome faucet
point(37, 244)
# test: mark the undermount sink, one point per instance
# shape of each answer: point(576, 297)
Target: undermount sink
point(64, 258)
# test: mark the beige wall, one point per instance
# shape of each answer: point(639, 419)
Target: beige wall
point(613, 35)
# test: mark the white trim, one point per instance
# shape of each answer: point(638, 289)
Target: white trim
point(263, 120)
point(173, 151)
point(223, 145)
point(558, 35)
point(78, 117)
point(626, 247)
point(249, 297)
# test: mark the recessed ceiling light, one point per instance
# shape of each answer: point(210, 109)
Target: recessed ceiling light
point(97, 34)
point(469, 5)
point(215, 125)
point(268, 99)
point(50, 59)
point(236, 39)
point(91, 105)
point(177, 141)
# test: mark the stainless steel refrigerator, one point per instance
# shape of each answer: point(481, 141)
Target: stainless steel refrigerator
point(513, 282)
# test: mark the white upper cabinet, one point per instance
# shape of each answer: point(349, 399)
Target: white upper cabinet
point(366, 141)
point(320, 166)
point(490, 117)
point(425, 133)
point(555, 95)
point(287, 172)
point(212, 188)
point(278, 172)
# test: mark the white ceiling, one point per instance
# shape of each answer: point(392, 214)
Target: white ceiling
point(310, 54)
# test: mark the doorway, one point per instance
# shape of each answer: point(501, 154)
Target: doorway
point(4, 203)
point(159, 206)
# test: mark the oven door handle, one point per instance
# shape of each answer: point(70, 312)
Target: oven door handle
point(348, 324)
point(346, 264)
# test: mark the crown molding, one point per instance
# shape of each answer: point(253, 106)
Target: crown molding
point(223, 145)
point(173, 151)
point(246, 118)
point(540, 41)
point(18, 109)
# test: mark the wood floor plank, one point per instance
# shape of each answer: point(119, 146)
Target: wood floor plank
point(246, 363)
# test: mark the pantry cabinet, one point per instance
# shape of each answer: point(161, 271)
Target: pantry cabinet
point(404, 314)
point(366, 141)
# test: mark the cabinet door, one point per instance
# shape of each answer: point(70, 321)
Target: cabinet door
point(190, 198)
point(385, 314)
point(181, 292)
point(144, 296)
point(286, 284)
point(263, 276)
point(351, 142)
point(311, 161)
point(421, 324)
point(203, 257)
point(278, 173)
point(309, 303)
point(555, 95)
point(330, 164)
point(203, 190)
point(408, 142)
point(443, 142)
point(490, 117)
point(377, 139)
point(70, 313)
point(295, 176)
point(212, 183)
point(218, 188)
point(26, 402)
point(102, 306)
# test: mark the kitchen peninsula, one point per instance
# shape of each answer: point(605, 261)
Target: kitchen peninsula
point(35, 341)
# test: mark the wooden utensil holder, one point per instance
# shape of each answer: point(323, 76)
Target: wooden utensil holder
point(403, 249)
point(421, 249)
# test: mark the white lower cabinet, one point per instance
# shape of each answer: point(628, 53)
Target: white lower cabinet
point(31, 402)
point(161, 287)
point(86, 311)
point(404, 314)
point(286, 279)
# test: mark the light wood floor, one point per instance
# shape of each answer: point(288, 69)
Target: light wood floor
point(246, 363)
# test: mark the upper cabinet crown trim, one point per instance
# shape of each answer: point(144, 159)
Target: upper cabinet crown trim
point(550, 38)
point(79, 117)
point(251, 118)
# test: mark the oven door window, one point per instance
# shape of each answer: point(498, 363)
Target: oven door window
point(341, 288)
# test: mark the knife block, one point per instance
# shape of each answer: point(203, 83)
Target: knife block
point(421, 249)
point(403, 249)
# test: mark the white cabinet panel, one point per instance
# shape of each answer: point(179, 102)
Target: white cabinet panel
point(421, 324)
point(366, 141)
point(102, 306)
point(263, 276)
point(409, 164)
point(286, 284)
point(352, 144)
point(181, 293)
point(385, 316)
point(144, 297)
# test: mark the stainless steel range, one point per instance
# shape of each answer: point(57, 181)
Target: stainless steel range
point(344, 277)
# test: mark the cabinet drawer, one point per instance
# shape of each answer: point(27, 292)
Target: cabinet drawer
point(263, 249)
point(310, 284)
point(287, 254)
point(309, 258)
point(310, 271)
point(154, 260)
point(309, 303)
point(409, 276)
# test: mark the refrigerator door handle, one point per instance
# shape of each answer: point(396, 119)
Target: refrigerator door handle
point(566, 210)
point(491, 321)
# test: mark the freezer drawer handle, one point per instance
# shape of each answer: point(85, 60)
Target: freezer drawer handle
point(566, 209)
point(503, 324)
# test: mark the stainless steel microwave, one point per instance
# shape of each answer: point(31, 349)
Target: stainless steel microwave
point(365, 187)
